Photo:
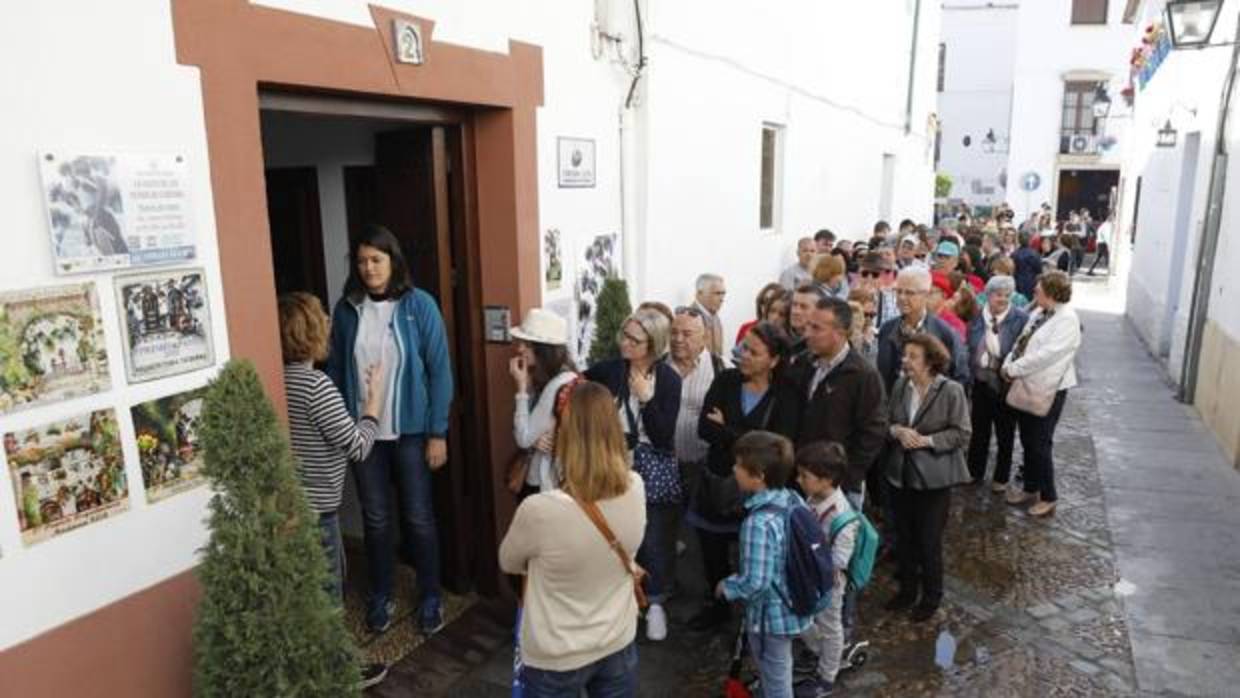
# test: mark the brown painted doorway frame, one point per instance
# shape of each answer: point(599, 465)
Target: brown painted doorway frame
point(240, 48)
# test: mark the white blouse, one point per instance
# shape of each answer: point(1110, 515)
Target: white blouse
point(376, 344)
point(528, 425)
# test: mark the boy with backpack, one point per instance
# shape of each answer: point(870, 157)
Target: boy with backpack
point(821, 467)
point(775, 603)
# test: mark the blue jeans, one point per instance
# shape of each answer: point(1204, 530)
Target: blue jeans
point(400, 463)
point(657, 554)
point(613, 676)
point(773, 655)
point(329, 536)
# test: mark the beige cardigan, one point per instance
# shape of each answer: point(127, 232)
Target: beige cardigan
point(579, 604)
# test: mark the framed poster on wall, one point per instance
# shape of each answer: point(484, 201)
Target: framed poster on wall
point(167, 433)
point(116, 211)
point(166, 323)
point(575, 162)
point(51, 346)
point(66, 474)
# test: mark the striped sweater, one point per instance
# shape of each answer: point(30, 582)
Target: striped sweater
point(323, 435)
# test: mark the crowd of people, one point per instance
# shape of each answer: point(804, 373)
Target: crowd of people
point(870, 381)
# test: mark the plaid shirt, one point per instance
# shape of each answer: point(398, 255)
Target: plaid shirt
point(761, 582)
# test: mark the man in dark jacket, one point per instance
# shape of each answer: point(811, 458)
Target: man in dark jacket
point(843, 393)
point(1028, 265)
point(912, 287)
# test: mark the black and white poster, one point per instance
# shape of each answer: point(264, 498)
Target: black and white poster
point(167, 323)
point(116, 211)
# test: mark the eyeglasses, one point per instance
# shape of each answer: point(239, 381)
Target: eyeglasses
point(626, 337)
point(872, 274)
point(940, 255)
point(920, 256)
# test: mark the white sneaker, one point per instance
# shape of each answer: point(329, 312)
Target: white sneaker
point(656, 623)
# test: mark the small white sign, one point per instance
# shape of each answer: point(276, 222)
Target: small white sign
point(407, 37)
point(575, 162)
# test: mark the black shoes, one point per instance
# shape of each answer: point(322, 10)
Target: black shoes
point(711, 616)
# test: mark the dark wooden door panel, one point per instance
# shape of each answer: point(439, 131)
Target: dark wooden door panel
point(296, 231)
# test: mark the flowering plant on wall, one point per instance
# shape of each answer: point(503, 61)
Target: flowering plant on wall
point(1148, 56)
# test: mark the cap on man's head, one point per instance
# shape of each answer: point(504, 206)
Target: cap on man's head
point(910, 239)
point(947, 248)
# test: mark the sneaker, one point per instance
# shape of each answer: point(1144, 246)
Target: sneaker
point(1042, 509)
point(656, 623)
point(710, 617)
point(378, 621)
point(816, 687)
point(372, 674)
point(430, 617)
point(805, 666)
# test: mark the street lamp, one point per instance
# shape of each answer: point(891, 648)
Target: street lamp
point(1102, 102)
point(1192, 21)
point(1167, 136)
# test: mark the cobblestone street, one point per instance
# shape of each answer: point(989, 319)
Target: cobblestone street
point(1033, 608)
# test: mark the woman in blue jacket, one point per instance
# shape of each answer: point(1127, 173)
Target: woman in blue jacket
point(383, 320)
point(647, 393)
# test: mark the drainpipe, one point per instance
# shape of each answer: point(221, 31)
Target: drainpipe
point(912, 68)
point(1203, 281)
point(629, 170)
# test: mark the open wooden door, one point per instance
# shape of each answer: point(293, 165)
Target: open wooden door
point(412, 198)
point(296, 231)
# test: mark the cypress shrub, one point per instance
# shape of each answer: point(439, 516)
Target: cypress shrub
point(611, 310)
point(266, 625)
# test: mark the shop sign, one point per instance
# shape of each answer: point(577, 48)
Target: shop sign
point(575, 162)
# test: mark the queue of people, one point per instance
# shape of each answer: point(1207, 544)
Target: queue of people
point(871, 380)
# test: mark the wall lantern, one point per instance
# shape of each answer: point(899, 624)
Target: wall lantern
point(1102, 102)
point(1167, 136)
point(1192, 21)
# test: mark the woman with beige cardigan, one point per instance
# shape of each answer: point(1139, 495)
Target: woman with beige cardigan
point(580, 612)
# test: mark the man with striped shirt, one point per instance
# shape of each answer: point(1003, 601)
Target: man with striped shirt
point(323, 436)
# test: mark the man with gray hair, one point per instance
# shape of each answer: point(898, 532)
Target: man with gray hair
point(799, 274)
point(912, 287)
point(710, 294)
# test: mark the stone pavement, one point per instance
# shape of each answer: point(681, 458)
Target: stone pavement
point(1173, 504)
point(1130, 589)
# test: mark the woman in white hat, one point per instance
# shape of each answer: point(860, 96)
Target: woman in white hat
point(540, 367)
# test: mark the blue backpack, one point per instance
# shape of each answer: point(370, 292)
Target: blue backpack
point(865, 549)
point(807, 560)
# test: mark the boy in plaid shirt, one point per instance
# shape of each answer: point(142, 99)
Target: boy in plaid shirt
point(763, 468)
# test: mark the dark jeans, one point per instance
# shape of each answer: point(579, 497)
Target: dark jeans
point(716, 562)
point(613, 676)
point(1037, 438)
point(329, 536)
point(989, 411)
point(400, 464)
point(657, 554)
point(1104, 252)
point(921, 516)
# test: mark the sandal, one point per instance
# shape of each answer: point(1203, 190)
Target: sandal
point(1020, 498)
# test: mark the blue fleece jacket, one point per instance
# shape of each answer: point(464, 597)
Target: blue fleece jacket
point(423, 384)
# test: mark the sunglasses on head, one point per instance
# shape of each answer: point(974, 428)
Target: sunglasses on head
point(688, 310)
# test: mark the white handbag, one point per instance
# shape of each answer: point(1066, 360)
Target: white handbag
point(1024, 398)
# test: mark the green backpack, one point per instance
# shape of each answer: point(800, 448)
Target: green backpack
point(865, 550)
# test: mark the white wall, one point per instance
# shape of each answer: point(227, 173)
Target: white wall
point(1048, 47)
point(1185, 91)
point(980, 39)
point(716, 78)
point(130, 98)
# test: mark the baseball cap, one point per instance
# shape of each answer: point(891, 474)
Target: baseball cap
point(947, 248)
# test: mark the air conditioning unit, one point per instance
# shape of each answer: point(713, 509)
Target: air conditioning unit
point(1083, 144)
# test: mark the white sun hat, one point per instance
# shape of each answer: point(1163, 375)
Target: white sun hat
point(543, 327)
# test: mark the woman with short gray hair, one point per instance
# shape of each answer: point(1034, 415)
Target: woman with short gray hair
point(647, 393)
point(992, 333)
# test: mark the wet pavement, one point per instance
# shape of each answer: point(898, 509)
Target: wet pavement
point(1139, 561)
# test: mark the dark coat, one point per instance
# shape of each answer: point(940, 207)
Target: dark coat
point(891, 349)
point(659, 415)
point(781, 402)
point(1009, 331)
point(944, 417)
point(847, 408)
point(1028, 265)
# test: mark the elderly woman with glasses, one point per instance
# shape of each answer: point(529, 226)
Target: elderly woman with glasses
point(647, 394)
point(992, 334)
